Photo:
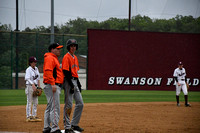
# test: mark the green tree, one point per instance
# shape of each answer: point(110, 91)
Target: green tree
point(141, 23)
point(5, 77)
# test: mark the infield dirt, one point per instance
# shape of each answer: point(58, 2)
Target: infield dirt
point(137, 117)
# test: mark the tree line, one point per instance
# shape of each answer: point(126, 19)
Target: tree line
point(178, 24)
point(30, 44)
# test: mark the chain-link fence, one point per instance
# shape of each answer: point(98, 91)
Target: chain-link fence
point(17, 47)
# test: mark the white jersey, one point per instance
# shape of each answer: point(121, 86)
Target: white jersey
point(180, 74)
point(32, 76)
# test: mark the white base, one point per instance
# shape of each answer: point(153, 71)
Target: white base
point(63, 131)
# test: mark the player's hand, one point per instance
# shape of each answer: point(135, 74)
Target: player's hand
point(54, 88)
point(34, 87)
point(179, 84)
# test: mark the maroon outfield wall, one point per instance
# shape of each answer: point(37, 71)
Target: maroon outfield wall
point(123, 60)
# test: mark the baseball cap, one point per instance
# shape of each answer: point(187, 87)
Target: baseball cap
point(32, 59)
point(180, 63)
point(54, 45)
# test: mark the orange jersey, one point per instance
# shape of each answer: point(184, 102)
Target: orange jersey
point(70, 63)
point(52, 70)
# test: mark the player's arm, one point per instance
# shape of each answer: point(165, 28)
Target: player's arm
point(48, 71)
point(176, 79)
point(79, 85)
point(49, 77)
point(28, 76)
point(185, 76)
point(66, 70)
point(185, 79)
point(68, 77)
point(38, 78)
point(38, 83)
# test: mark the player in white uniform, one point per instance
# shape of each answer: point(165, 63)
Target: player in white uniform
point(180, 78)
point(32, 79)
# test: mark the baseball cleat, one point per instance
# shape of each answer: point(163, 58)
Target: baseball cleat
point(37, 119)
point(29, 119)
point(188, 105)
point(178, 104)
point(69, 131)
point(77, 128)
point(57, 131)
point(47, 130)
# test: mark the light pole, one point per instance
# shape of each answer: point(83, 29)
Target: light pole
point(52, 21)
point(17, 50)
point(129, 18)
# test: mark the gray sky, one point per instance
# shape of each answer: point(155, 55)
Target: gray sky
point(34, 13)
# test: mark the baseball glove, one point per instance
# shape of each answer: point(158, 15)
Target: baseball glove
point(38, 92)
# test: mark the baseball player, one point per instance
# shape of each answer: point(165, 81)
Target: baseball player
point(180, 78)
point(72, 88)
point(32, 78)
point(53, 79)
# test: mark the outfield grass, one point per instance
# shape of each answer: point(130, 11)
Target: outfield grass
point(18, 97)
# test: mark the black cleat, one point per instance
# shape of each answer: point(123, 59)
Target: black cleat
point(77, 128)
point(57, 131)
point(69, 131)
point(187, 105)
point(48, 130)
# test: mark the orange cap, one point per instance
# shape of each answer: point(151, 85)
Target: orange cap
point(54, 45)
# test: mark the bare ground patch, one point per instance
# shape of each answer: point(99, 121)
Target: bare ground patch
point(137, 117)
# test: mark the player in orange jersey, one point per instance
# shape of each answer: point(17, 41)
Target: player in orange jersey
point(53, 79)
point(72, 88)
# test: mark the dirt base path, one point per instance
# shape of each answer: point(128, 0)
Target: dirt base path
point(138, 117)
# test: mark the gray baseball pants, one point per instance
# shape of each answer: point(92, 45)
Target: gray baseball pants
point(52, 112)
point(68, 105)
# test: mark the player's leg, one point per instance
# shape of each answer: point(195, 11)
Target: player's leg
point(49, 94)
point(29, 93)
point(178, 91)
point(34, 109)
point(68, 105)
point(185, 91)
point(35, 104)
point(55, 110)
point(78, 108)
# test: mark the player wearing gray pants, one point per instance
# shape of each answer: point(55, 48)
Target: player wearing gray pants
point(53, 79)
point(69, 102)
point(72, 88)
point(53, 108)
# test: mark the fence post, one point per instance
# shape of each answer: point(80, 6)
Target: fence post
point(63, 43)
point(11, 54)
point(17, 61)
point(36, 45)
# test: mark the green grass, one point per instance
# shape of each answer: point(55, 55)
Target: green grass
point(18, 97)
